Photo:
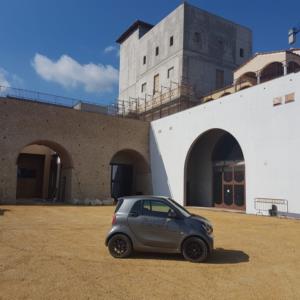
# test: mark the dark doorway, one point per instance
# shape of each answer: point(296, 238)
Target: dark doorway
point(43, 173)
point(215, 172)
point(130, 174)
point(121, 180)
point(30, 176)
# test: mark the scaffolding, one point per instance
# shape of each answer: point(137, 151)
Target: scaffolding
point(167, 101)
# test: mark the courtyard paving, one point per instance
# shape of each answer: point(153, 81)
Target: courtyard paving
point(58, 252)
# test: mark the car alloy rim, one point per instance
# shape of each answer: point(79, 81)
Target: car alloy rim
point(120, 246)
point(194, 250)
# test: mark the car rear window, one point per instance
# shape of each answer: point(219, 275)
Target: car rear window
point(119, 204)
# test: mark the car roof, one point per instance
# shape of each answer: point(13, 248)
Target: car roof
point(141, 197)
point(129, 201)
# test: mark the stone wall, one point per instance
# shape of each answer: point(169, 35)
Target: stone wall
point(85, 141)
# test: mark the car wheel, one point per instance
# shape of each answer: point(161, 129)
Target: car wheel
point(120, 246)
point(194, 249)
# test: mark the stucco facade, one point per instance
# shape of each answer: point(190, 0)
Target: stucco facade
point(265, 128)
point(85, 141)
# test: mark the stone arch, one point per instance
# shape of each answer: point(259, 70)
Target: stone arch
point(271, 71)
point(44, 172)
point(205, 181)
point(130, 174)
point(225, 94)
point(246, 80)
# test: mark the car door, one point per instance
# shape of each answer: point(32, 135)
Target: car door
point(153, 227)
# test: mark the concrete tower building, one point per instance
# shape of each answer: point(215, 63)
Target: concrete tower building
point(190, 52)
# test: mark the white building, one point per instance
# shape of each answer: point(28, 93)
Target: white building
point(238, 151)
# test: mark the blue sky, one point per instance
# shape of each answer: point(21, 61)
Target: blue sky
point(35, 34)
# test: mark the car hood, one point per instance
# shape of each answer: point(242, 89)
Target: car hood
point(201, 219)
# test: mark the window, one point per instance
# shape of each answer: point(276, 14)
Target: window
point(156, 51)
point(136, 208)
point(170, 72)
point(241, 52)
point(143, 88)
point(171, 41)
point(156, 84)
point(219, 79)
point(155, 208)
point(197, 37)
point(144, 60)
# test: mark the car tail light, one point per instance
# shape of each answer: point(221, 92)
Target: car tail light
point(114, 219)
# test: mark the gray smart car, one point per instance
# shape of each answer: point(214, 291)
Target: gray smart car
point(158, 224)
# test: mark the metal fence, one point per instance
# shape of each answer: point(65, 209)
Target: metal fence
point(264, 205)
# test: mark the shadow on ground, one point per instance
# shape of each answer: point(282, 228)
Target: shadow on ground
point(3, 211)
point(223, 256)
point(219, 256)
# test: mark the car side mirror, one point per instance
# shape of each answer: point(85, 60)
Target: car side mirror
point(172, 214)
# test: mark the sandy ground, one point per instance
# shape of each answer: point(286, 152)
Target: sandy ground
point(58, 252)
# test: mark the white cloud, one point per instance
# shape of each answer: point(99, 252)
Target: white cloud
point(69, 73)
point(3, 78)
point(110, 49)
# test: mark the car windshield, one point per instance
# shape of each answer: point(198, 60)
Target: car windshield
point(180, 208)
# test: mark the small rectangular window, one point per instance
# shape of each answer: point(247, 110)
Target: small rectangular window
point(156, 51)
point(241, 52)
point(197, 37)
point(144, 60)
point(143, 88)
point(170, 72)
point(156, 84)
point(171, 41)
point(289, 98)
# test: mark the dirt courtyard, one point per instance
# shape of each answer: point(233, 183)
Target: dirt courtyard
point(58, 252)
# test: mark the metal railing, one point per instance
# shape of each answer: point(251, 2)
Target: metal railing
point(264, 205)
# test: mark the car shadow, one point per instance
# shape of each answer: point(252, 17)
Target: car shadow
point(218, 256)
point(3, 211)
point(226, 256)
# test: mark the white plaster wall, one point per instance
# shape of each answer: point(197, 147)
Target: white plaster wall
point(269, 137)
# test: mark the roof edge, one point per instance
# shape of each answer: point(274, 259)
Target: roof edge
point(132, 28)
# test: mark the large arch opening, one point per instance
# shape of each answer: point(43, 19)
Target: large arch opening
point(44, 171)
point(215, 172)
point(293, 67)
point(130, 174)
point(271, 71)
point(246, 80)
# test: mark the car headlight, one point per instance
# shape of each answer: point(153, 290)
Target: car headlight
point(208, 228)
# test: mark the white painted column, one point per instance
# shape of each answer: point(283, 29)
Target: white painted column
point(284, 68)
point(258, 74)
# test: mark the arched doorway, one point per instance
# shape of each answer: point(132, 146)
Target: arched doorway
point(130, 174)
point(215, 172)
point(44, 171)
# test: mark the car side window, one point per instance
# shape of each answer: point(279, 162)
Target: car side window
point(146, 208)
point(136, 208)
point(156, 208)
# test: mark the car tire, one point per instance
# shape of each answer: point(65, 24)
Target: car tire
point(194, 249)
point(120, 246)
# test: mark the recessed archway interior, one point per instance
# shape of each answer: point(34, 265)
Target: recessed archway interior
point(246, 80)
point(293, 67)
point(130, 174)
point(271, 71)
point(44, 171)
point(215, 172)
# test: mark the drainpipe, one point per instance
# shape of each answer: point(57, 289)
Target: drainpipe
point(58, 163)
